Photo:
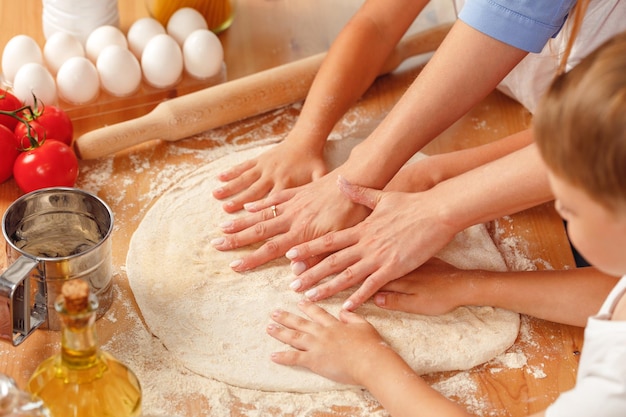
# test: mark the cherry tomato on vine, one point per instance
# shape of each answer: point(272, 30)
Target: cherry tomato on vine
point(37, 131)
point(8, 102)
point(51, 164)
point(52, 121)
point(8, 153)
point(57, 124)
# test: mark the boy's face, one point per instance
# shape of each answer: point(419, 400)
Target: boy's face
point(598, 233)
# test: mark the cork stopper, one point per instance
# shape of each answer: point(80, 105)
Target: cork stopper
point(75, 293)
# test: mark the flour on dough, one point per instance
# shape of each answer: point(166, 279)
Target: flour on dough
point(214, 319)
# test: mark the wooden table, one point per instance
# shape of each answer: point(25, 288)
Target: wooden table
point(269, 33)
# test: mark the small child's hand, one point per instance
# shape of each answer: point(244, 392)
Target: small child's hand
point(434, 288)
point(338, 349)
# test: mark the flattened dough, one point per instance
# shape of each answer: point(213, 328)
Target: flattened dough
point(214, 319)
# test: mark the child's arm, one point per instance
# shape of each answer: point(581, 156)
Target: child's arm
point(428, 172)
point(351, 351)
point(568, 296)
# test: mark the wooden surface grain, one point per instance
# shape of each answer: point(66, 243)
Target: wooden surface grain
point(267, 33)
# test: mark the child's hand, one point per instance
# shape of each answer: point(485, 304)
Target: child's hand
point(342, 350)
point(432, 289)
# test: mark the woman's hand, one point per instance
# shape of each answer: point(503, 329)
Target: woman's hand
point(403, 231)
point(339, 349)
point(288, 218)
point(285, 165)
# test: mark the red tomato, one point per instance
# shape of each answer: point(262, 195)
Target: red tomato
point(49, 122)
point(8, 153)
point(52, 164)
point(56, 123)
point(8, 102)
point(37, 131)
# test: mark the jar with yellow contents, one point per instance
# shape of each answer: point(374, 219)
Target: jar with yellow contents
point(219, 14)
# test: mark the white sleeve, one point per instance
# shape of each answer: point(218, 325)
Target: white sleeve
point(528, 81)
point(600, 389)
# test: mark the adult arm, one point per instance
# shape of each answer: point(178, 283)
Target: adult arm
point(459, 75)
point(352, 64)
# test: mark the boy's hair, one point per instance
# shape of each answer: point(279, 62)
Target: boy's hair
point(580, 125)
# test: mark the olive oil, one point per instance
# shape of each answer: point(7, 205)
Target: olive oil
point(82, 380)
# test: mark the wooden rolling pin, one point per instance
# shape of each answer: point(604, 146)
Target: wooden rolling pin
point(219, 105)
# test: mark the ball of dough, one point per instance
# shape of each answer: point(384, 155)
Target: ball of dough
point(185, 291)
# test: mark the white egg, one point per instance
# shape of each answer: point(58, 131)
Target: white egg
point(184, 21)
point(119, 70)
point(60, 47)
point(34, 78)
point(102, 37)
point(19, 50)
point(141, 32)
point(162, 61)
point(203, 54)
point(77, 81)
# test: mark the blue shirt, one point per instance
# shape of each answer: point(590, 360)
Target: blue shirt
point(524, 24)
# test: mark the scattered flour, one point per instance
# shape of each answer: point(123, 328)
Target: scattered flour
point(479, 124)
point(463, 389)
point(513, 360)
point(513, 248)
point(537, 372)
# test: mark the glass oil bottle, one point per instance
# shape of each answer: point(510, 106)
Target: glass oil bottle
point(82, 380)
point(17, 403)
